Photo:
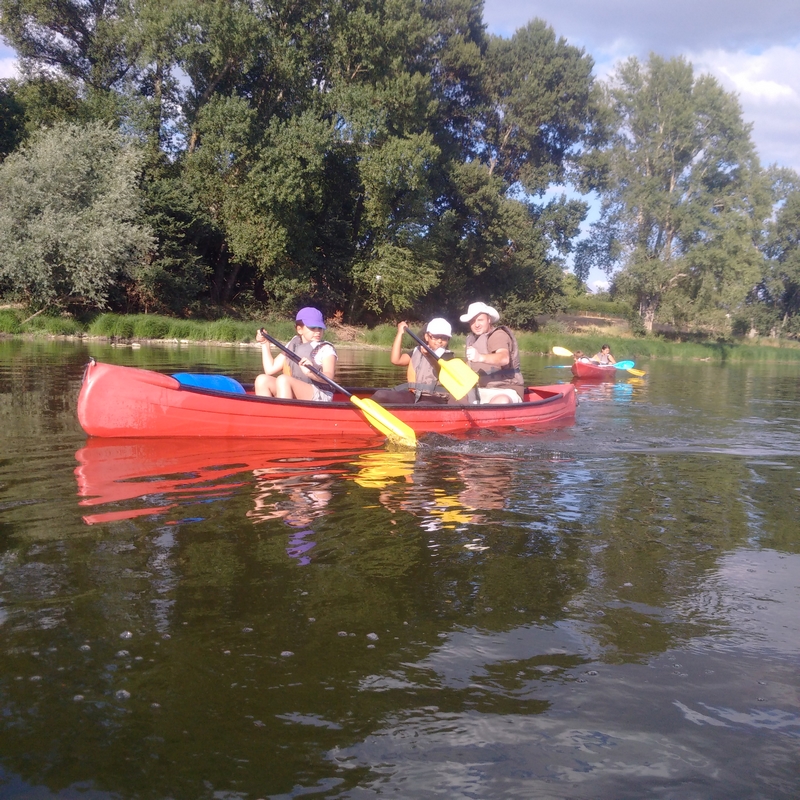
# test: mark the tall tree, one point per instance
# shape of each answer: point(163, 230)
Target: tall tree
point(779, 290)
point(532, 119)
point(681, 214)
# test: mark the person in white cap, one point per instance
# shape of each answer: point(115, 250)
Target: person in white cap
point(422, 373)
point(285, 378)
point(493, 353)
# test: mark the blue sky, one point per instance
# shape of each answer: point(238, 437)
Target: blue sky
point(752, 48)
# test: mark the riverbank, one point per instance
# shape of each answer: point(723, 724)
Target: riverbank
point(128, 330)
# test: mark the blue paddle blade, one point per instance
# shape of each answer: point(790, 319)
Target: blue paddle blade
point(624, 364)
point(216, 383)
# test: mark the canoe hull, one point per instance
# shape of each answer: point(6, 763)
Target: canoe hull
point(119, 401)
point(583, 369)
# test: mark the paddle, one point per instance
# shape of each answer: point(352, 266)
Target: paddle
point(626, 365)
point(455, 374)
point(377, 416)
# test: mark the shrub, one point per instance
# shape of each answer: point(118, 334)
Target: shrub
point(69, 205)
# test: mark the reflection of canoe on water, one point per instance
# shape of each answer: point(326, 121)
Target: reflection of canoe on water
point(586, 369)
point(163, 472)
point(125, 401)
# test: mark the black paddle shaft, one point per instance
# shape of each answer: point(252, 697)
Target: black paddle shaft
point(296, 358)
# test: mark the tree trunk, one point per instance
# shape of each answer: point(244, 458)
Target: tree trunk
point(158, 92)
point(648, 305)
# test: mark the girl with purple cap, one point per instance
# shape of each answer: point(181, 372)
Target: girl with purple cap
point(285, 378)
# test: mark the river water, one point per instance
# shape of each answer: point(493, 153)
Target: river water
point(604, 610)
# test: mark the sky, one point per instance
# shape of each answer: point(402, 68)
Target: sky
point(752, 47)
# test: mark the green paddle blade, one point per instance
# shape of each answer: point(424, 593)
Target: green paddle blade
point(388, 424)
point(562, 351)
point(456, 376)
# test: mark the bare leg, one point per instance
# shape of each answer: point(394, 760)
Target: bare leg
point(265, 386)
point(289, 387)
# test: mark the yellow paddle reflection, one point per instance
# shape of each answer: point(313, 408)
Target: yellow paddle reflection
point(378, 469)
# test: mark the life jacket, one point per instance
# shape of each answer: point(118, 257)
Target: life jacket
point(491, 375)
point(426, 375)
point(304, 350)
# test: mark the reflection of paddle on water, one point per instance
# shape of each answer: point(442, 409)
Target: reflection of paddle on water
point(382, 467)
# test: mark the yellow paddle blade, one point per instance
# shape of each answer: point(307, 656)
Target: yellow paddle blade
point(561, 351)
point(638, 372)
point(456, 376)
point(388, 424)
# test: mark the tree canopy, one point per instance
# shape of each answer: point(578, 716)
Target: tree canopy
point(387, 158)
point(684, 200)
point(68, 216)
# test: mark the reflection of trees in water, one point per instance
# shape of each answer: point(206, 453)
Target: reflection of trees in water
point(661, 527)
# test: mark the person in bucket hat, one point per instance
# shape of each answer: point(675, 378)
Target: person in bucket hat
point(422, 372)
point(493, 353)
point(283, 377)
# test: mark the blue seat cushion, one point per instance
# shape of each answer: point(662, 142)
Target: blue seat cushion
point(216, 383)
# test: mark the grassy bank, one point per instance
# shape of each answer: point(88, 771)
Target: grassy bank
point(230, 331)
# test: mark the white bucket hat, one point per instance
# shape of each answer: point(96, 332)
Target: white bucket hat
point(439, 327)
point(479, 308)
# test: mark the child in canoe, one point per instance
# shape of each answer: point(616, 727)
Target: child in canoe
point(285, 378)
point(422, 371)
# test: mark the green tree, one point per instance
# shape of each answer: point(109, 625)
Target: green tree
point(12, 119)
point(69, 205)
point(779, 290)
point(531, 120)
point(379, 157)
point(682, 210)
point(81, 39)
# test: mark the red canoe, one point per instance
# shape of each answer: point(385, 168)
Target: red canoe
point(587, 369)
point(125, 401)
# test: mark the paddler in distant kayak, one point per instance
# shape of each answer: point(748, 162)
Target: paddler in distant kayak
point(493, 353)
point(604, 357)
point(285, 378)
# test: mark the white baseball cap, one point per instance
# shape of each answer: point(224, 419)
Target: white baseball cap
point(479, 308)
point(439, 327)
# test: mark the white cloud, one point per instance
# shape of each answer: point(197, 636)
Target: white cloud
point(666, 28)
point(8, 61)
point(768, 86)
point(8, 68)
point(753, 49)
point(598, 285)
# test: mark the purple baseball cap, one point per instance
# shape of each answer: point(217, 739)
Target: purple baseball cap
point(310, 317)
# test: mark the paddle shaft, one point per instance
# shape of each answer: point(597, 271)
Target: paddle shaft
point(296, 358)
point(377, 415)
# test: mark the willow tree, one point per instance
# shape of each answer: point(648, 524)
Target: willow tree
point(681, 214)
point(70, 217)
